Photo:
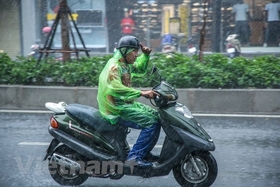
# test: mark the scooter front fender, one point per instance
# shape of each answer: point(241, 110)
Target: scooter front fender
point(194, 142)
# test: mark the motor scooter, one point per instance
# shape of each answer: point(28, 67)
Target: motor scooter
point(192, 45)
point(169, 44)
point(35, 51)
point(86, 145)
point(233, 46)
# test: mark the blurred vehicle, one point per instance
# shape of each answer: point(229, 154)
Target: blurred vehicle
point(169, 43)
point(35, 51)
point(192, 45)
point(233, 46)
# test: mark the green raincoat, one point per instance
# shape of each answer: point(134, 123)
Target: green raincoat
point(116, 96)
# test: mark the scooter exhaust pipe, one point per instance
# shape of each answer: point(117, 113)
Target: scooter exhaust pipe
point(79, 146)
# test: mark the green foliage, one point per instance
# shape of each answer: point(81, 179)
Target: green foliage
point(83, 72)
point(216, 71)
point(263, 72)
point(6, 66)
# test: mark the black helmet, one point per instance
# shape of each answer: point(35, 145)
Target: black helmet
point(128, 42)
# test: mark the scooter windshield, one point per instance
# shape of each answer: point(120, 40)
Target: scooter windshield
point(166, 90)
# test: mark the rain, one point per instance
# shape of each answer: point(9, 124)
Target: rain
point(221, 56)
point(209, 22)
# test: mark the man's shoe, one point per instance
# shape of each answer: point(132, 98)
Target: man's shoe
point(139, 162)
point(151, 157)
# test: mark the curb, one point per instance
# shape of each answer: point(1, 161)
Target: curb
point(206, 101)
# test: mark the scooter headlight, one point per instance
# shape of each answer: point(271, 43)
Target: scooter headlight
point(184, 111)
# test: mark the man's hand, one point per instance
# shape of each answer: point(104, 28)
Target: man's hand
point(145, 49)
point(150, 94)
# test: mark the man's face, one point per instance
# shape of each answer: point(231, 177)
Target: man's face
point(131, 57)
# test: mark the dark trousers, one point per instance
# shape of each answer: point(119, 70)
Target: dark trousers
point(242, 28)
point(272, 32)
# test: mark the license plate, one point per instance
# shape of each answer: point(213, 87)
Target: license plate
point(192, 50)
point(231, 50)
point(167, 48)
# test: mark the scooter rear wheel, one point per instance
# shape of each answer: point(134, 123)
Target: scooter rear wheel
point(62, 175)
point(197, 170)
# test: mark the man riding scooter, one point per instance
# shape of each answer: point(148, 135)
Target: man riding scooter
point(86, 145)
point(116, 98)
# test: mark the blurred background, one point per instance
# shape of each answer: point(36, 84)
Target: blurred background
point(22, 23)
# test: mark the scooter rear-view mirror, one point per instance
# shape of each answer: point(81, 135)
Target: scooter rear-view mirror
point(155, 70)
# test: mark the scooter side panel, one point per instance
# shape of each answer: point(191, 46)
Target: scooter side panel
point(79, 146)
point(87, 136)
point(171, 116)
point(181, 127)
point(169, 148)
point(194, 142)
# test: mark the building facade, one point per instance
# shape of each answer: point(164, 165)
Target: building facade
point(98, 21)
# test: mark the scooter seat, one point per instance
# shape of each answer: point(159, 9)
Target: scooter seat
point(91, 117)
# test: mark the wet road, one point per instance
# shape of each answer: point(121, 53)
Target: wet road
point(247, 153)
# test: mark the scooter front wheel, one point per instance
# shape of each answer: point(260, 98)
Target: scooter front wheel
point(198, 169)
point(62, 173)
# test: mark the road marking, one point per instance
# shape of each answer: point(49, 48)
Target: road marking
point(238, 115)
point(46, 144)
point(27, 111)
point(194, 114)
point(33, 143)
